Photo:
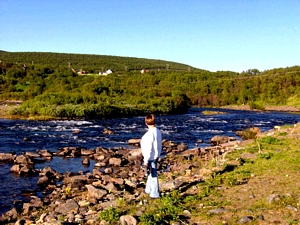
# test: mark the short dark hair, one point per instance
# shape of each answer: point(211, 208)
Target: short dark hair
point(149, 119)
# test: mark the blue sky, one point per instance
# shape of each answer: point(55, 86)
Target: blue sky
point(232, 35)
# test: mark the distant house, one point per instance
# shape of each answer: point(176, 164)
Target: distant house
point(144, 71)
point(109, 71)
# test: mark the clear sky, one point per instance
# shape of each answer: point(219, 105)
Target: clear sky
point(233, 35)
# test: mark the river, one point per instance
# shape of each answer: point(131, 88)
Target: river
point(51, 135)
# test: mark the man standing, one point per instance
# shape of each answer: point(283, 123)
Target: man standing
point(151, 145)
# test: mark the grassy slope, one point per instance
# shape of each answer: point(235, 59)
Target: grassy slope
point(275, 171)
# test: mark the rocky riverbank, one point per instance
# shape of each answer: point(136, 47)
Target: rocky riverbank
point(118, 181)
point(79, 197)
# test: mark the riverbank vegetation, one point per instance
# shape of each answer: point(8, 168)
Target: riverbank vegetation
point(53, 85)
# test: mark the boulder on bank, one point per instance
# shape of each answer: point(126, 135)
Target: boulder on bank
point(9, 216)
point(218, 139)
point(95, 192)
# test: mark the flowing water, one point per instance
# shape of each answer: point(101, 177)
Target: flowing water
point(51, 135)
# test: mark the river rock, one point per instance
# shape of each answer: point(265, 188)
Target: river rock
point(86, 161)
point(70, 206)
point(118, 181)
point(9, 216)
point(32, 155)
point(43, 181)
point(7, 157)
point(108, 170)
point(115, 161)
point(34, 203)
point(107, 131)
point(89, 152)
point(128, 220)
point(45, 153)
point(22, 169)
point(111, 187)
point(95, 192)
point(134, 141)
point(76, 131)
point(136, 152)
point(181, 147)
point(23, 159)
point(78, 181)
point(219, 139)
point(98, 157)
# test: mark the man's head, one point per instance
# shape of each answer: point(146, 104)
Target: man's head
point(149, 120)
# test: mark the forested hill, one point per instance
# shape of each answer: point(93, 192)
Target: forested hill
point(91, 63)
point(50, 85)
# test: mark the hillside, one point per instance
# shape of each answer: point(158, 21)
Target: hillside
point(91, 63)
point(71, 86)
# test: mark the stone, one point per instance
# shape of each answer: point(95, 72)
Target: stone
point(136, 152)
point(128, 220)
point(111, 187)
point(89, 152)
point(15, 169)
point(22, 159)
point(99, 157)
point(77, 181)
point(86, 161)
point(182, 147)
point(32, 155)
point(115, 161)
point(134, 141)
point(9, 216)
point(43, 181)
point(217, 211)
point(118, 181)
point(70, 206)
point(246, 219)
point(219, 139)
point(95, 192)
point(109, 204)
point(7, 157)
point(170, 185)
point(107, 131)
point(274, 198)
point(45, 153)
point(108, 170)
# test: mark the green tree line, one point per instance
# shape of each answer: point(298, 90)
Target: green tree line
point(50, 88)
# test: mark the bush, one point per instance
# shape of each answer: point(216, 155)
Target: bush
point(109, 215)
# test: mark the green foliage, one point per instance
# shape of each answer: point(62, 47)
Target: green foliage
point(110, 215)
point(270, 140)
point(47, 81)
point(170, 207)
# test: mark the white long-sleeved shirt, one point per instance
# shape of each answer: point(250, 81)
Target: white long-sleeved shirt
point(151, 144)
